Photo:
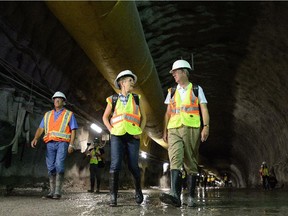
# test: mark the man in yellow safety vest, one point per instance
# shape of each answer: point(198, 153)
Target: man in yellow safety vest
point(183, 131)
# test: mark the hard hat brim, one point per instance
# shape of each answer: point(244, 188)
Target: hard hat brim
point(171, 71)
point(59, 94)
point(124, 75)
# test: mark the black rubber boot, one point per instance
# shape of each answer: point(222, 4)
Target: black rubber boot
point(138, 190)
point(191, 190)
point(113, 184)
point(174, 197)
point(52, 180)
point(98, 185)
point(59, 183)
point(92, 184)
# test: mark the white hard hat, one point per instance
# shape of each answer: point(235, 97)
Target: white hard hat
point(59, 95)
point(122, 74)
point(180, 64)
point(91, 147)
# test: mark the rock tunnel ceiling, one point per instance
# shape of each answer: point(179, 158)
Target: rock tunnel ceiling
point(239, 55)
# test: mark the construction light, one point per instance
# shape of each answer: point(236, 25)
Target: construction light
point(144, 155)
point(165, 167)
point(96, 128)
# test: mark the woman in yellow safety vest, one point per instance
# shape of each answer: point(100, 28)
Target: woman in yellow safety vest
point(126, 125)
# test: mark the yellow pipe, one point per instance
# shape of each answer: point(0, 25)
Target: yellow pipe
point(111, 34)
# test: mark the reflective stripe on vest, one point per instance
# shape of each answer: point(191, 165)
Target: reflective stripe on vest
point(58, 130)
point(184, 112)
point(126, 118)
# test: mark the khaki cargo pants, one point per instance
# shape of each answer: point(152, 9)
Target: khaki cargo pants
point(183, 148)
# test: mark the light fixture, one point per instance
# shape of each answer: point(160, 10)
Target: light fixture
point(96, 128)
point(165, 167)
point(143, 154)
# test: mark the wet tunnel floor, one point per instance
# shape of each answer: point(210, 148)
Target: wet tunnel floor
point(210, 202)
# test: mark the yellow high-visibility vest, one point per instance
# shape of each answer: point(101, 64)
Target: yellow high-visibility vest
point(126, 119)
point(184, 112)
point(264, 171)
point(94, 158)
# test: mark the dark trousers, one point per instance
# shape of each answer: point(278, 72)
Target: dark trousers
point(95, 172)
point(121, 145)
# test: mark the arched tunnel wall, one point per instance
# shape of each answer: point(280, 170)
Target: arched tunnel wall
point(260, 118)
point(244, 81)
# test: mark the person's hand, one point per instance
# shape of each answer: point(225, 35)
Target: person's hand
point(70, 149)
point(204, 134)
point(165, 136)
point(136, 136)
point(34, 143)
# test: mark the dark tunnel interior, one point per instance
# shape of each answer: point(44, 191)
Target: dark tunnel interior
point(238, 51)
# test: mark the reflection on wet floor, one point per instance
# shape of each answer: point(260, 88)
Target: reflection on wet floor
point(214, 201)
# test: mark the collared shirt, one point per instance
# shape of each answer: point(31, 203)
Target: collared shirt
point(123, 98)
point(182, 92)
point(72, 123)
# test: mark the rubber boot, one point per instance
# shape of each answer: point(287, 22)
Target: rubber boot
point(98, 186)
point(58, 188)
point(113, 184)
point(174, 197)
point(138, 191)
point(52, 179)
point(191, 190)
point(92, 183)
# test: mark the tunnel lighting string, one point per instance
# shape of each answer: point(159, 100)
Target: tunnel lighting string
point(11, 70)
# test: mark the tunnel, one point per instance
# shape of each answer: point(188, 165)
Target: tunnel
point(237, 51)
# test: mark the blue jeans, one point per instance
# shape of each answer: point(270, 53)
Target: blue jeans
point(55, 157)
point(121, 145)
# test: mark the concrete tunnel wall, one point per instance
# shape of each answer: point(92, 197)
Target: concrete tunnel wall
point(260, 117)
point(112, 36)
point(259, 120)
point(36, 169)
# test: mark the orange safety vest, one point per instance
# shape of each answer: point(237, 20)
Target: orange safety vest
point(58, 130)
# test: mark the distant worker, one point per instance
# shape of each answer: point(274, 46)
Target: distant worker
point(59, 126)
point(213, 184)
point(183, 131)
point(209, 181)
point(264, 173)
point(205, 180)
point(126, 125)
point(225, 180)
point(96, 155)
